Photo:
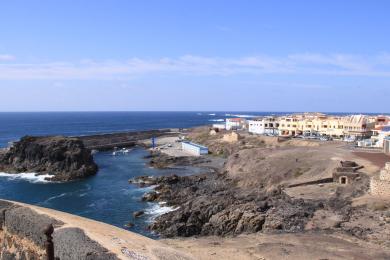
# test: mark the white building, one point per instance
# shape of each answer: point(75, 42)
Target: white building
point(193, 148)
point(235, 123)
point(380, 134)
point(267, 125)
point(219, 126)
point(386, 146)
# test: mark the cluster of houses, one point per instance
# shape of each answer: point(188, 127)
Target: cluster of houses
point(365, 130)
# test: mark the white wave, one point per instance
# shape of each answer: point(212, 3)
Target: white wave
point(157, 210)
point(212, 114)
point(238, 115)
point(217, 120)
point(28, 176)
point(54, 197)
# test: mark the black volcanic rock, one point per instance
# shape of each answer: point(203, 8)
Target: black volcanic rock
point(64, 158)
point(214, 205)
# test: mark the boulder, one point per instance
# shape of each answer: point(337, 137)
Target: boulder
point(150, 196)
point(137, 214)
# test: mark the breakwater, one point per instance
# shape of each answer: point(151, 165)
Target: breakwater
point(104, 142)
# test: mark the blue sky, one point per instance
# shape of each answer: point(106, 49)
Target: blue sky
point(195, 55)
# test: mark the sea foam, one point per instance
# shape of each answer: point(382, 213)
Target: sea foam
point(27, 176)
point(243, 116)
point(157, 210)
point(217, 120)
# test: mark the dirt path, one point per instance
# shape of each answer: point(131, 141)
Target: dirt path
point(378, 159)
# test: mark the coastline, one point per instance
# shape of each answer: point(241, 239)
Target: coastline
point(240, 191)
point(284, 210)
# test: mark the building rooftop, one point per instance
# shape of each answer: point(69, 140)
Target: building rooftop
point(196, 145)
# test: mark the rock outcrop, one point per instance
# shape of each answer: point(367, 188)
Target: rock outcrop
point(63, 158)
point(213, 205)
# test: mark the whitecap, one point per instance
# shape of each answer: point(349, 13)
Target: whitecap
point(156, 210)
point(27, 176)
point(217, 120)
point(242, 116)
point(212, 114)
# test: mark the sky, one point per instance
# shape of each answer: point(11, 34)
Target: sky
point(202, 55)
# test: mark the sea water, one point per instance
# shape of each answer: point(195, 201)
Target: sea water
point(107, 196)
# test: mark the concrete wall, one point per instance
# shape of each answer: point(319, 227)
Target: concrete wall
point(22, 236)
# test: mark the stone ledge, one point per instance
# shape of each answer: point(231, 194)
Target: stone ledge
point(26, 223)
point(4, 205)
point(74, 237)
point(72, 243)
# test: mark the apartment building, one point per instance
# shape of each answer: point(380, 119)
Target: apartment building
point(235, 123)
point(288, 125)
point(268, 125)
point(358, 126)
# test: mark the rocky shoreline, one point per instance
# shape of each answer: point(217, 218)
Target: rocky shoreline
point(63, 158)
point(212, 205)
point(250, 194)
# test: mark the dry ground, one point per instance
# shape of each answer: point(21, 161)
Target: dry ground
point(260, 161)
point(280, 246)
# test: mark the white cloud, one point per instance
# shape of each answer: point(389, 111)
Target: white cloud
point(6, 57)
point(304, 63)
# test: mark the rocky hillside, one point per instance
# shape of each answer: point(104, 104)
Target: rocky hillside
point(62, 157)
point(213, 205)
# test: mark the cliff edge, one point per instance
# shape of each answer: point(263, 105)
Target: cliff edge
point(63, 158)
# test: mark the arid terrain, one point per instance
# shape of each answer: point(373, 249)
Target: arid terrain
point(246, 209)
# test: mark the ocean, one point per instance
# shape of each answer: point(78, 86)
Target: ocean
point(107, 196)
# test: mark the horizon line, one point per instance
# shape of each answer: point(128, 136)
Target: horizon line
point(179, 111)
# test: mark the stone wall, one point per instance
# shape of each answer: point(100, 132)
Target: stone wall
point(22, 236)
point(379, 187)
point(24, 229)
point(385, 173)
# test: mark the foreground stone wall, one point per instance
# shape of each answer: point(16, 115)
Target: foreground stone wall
point(24, 235)
point(380, 185)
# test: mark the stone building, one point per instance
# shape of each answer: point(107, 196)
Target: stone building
point(380, 184)
point(231, 138)
point(347, 173)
